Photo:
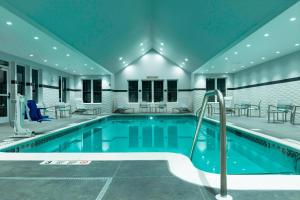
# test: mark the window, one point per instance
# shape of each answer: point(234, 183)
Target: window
point(92, 91)
point(62, 86)
point(35, 85)
point(210, 85)
point(172, 90)
point(133, 91)
point(21, 79)
point(216, 83)
point(97, 89)
point(158, 91)
point(146, 91)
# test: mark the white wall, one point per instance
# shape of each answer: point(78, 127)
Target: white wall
point(154, 65)
point(282, 68)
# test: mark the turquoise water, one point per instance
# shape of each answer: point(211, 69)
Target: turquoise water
point(171, 134)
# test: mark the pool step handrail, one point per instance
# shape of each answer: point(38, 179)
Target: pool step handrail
point(223, 175)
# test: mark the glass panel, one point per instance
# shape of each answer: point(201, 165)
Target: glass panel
point(86, 91)
point(221, 85)
point(133, 91)
point(21, 79)
point(3, 106)
point(146, 91)
point(172, 91)
point(210, 85)
point(97, 89)
point(3, 82)
point(59, 88)
point(35, 85)
point(158, 91)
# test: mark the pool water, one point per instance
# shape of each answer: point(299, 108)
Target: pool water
point(171, 134)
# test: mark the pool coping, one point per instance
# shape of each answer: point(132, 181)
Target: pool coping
point(180, 165)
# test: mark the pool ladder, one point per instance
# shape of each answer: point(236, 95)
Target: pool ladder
point(200, 114)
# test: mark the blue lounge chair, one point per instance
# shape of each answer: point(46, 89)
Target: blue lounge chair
point(35, 112)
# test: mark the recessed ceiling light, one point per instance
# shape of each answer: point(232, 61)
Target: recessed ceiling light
point(226, 58)
point(293, 19)
point(236, 53)
point(56, 65)
point(120, 58)
point(162, 44)
point(85, 64)
point(31, 55)
point(67, 55)
point(36, 37)
point(252, 62)
point(92, 68)
point(186, 59)
point(242, 66)
point(277, 52)
point(141, 44)
point(297, 44)
point(9, 23)
point(74, 71)
point(266, 34)
point(183, 63)
point(45, 60)
point(226, 72)
point(263, 58)
point(124, 62)
point(161, 49)
point(212, 66)
point(65, 68)
point(248, 45)
point(143, 49)
point(207, 70)
point(55, 48)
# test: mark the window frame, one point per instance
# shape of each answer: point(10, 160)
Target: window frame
point(216, 87)
point(62, 89)
point(21, 84)
point(171, 91)
point(137, 91)
point(162, 91)
point(33, 86)
point(92, 90)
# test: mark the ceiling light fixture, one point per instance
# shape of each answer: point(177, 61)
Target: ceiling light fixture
point(235, 53)
point(31, 55)
point(212, 67)
point(297, 44)
point(183, 63)
point(277, 52)
point(263, 58)
point(293, 19)
point(55, 48)
point(92, 68)
point(248, 45)
point(9, 23)
point(56, 65)
point(124, 62)
point(141, 44)
point(74, 71)
point(143, 49)
point(45, 60)
point(242, 66)
point(161, 49)
point(266, 35)
point(226, 58)
point(252, 62)
point(162, 44)
point(36, 37)
point(121, 58)
point(85, 64)
point(186, 59)
point(67, 55)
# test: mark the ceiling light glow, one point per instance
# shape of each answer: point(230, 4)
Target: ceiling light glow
point(297, 44)
point(55, 48)
point(85, 64)
point(277, 52)
point(266, 35)
point(56, 65)
point(292, 19)
point(121, 58)
point(9, 23)
point(263, 58)
point(31, 55)
point(162, 44)
point(248, 45)
point(36, 37)
point(67, 55)
point(186, 59)
point(226, 58)
point(45, 60)
point(141, 44)
point(235, 53)
point(252, 62)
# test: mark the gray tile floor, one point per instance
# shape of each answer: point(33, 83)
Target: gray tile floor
point(110, 180)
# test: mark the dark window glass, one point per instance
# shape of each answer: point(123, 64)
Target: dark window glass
point(210, 85)
point(3, 93)
point(35, 85)
point(146, 91)
point(158, 91)
point(59, 88)
point(21, 79)
point(64, 90)
point(97, 90)
point(133, 92)
point(86, 91)
point(172, 90)
point(221, 85)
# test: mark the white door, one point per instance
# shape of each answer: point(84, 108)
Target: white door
point(3, 96)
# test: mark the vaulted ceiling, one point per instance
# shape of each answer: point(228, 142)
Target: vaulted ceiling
point(105, 30)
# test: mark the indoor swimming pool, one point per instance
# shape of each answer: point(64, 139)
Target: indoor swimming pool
point(247, 154)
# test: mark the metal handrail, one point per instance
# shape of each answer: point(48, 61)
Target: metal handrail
point(223, 174)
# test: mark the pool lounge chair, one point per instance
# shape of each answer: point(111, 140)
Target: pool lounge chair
point(121, 107)
point(254, 108)
point(229, 105)
point(242, 108)
point(183, 107)
point(161, 106)
point(144, 106)
point(282, 108)
point(295, 112)
point(80, 108)
point(34, 113)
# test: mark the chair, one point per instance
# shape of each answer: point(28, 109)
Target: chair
point(34, 113)
point(144, 106)
point(253, 107)
point(183, 107)
point(294, 113)
point(161, 106)
point(283, 107)
point(228, 105)
point(80, 108)
point(63, 109)
point(242, 108)
point(121, 106)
